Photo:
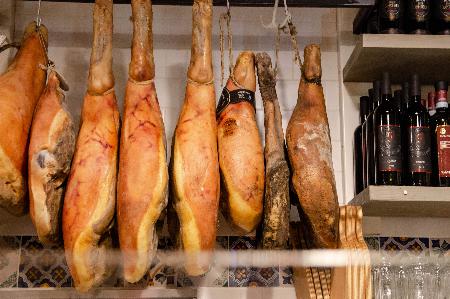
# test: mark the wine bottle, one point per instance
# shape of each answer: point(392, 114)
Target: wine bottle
point(405, 94)
point(441, 16)
point(370, 137)
point(440, 125)
point(358, 145)
point(391, 13)
point(388, 145)
point(418, 16)
point(431, 103)
point(398, 100)
point(364, 134)
point(418, 145)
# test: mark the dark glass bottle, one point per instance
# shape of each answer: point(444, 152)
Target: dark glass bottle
point(364, 134)
point(419, 12)
point(441, 16)
point(391, 13)
point(405, 94)
point(398, 100)
point(370, 137)
point(431, 103)
point(388, 157)
point(359, 150)
point(418, 145)
point(440, 127)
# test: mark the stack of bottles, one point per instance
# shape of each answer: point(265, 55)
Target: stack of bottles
point(402, 139)
point(410, 16)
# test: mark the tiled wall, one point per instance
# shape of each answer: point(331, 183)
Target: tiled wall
point(25, 263)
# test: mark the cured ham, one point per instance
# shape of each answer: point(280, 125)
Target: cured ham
point(143, 174)
point(52, 143)
point(241, 157)
point(309, 149)
point(195, 166)
point(90, 199)
point(20, 88)
point(276, 198)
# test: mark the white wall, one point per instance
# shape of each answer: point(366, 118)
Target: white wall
point(70, 27)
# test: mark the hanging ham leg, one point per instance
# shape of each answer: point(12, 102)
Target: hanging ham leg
point(90, 197)
point(195, 161)
point(276, 199)
point(143, 175)
point(309, 148)
point(240, 150)
point(52, 143)
point(20, 88)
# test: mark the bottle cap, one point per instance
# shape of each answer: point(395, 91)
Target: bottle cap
point(441, 85)
point(386, 84)
point(364, 105)
point(414, 87)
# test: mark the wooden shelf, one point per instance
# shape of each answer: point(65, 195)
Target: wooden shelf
point(404, 201)
point(400, 55)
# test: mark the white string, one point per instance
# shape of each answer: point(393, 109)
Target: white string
point(38, 17)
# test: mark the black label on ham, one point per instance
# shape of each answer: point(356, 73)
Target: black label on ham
point(234, 97)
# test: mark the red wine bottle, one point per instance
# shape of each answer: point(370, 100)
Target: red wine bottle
point(358, 145)
point(398, 100)
point(440, 125)
point(364, 134)
point(391, 14)
point(370, 137)
point(388, 145)
point(418, 16)
point(405, 94)
point(431, 103)
point(418, 145)
point(441, 16)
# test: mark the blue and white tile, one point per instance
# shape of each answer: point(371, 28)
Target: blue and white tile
point(440, 247)
point(251, 276)
point(286, 279)
point(42, 266)
point(9, 261)
point(415, 246)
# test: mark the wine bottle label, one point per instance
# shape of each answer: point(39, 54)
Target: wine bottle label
point(420, 10)
point(389, 149)
point(392, 9)
point(419, 149)
point(443, 146)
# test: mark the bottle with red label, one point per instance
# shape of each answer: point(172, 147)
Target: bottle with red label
point(417, 144)
point(440, 124)
point(388, 141)
point(431, 103)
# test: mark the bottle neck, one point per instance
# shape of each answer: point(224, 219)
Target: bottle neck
point(415, 99)
point(386, 98)
point(441, 99)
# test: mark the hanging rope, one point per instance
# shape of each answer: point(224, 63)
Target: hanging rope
point(50, 64)
point(226, 17)
point(287, 27)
